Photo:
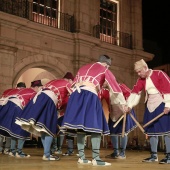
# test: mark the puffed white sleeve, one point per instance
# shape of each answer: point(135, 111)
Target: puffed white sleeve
point(167, 100)
point(133, 100)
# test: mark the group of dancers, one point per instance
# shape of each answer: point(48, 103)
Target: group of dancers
point(93, 104)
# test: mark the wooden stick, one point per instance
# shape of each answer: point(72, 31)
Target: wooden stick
point(124, 125)
point(137, 123)
point(118, 121)
point(157, 117)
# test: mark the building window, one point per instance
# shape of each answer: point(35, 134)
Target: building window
point(45, 12)
point(108, 17)
point(108, 27)
point(108, 21)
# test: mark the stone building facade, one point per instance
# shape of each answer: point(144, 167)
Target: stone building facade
point(29, 43)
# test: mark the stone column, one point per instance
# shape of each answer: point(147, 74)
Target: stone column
point(136, 19)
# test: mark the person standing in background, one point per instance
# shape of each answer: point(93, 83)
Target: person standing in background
point(56, 147)
point(116, 132)
point(5, 149)
point(58, 140)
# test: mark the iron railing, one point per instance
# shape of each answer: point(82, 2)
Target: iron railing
point(113, 37)
point(15, 7)
point(52, 17)
point(31, 11)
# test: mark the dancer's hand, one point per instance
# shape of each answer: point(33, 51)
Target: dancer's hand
point(166, 110)
point(126, 109)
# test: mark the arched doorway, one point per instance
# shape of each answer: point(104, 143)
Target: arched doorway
point(36, 74)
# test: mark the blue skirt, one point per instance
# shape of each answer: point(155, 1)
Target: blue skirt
point(160, 126)
point(60, 120)
point(8, 114)
point(43, 113)
point(84, 112)
point(129, 126)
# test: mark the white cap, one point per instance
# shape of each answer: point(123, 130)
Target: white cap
point(139, 65)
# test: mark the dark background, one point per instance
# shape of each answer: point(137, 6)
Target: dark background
point(156, 30)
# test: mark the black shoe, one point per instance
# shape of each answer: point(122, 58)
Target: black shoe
point(68, 153)
point(51, 158)
point(166, 160)
point(21, 154)
point(151, 159)
point(112, 156)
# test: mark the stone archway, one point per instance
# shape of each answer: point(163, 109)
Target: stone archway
point(33, 74)
point(56, 66)
point(45, 77)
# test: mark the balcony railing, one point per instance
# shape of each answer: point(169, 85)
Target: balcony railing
point(52, 17)
point(31, 11)
point(113, 37)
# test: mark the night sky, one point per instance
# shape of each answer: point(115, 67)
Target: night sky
point(156, 21)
